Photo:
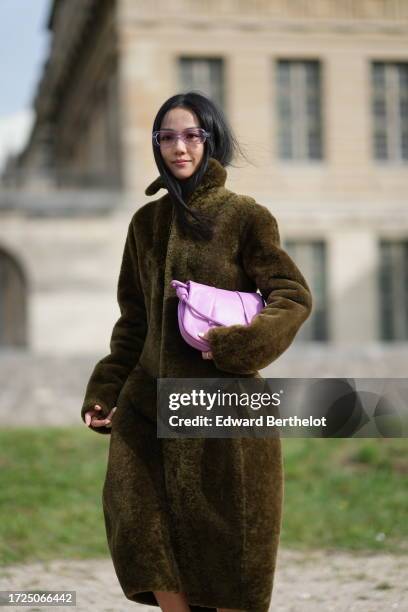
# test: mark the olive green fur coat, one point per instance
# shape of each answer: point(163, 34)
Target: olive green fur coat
point(197, 515)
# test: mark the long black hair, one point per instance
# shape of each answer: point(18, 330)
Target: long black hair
point(222, 145)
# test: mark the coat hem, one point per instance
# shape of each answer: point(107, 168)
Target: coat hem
point(213, 603)
point(145, 596)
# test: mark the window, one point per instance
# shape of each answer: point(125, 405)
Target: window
point(393, 287)
point(299, 109)
point(310, 257)
point(390, 110)
point(205, 75)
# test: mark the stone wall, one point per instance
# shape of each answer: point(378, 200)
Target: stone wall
point(49, 390)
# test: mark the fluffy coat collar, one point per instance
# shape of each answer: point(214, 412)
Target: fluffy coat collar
point(214, 177)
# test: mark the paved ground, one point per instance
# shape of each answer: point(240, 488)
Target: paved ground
point(304, 582)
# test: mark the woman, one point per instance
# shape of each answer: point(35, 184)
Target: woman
point(193, 523)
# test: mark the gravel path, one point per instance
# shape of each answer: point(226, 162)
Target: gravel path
point(304, 582)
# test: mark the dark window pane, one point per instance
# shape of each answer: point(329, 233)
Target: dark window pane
point(378, 75)
point(404, 144)
point(389, 109)
point(205, 75)
point(299, 109)
point(403, 75)
point(283, 74)
point(313, 106)
point(315, 146)
point(379, 107)
point(380, 146)
point(285, 145)
point(310, 256)
point(284, 108)
point(393, 287)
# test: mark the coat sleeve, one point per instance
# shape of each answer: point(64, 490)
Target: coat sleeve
point(242, 349)
point(127, 338)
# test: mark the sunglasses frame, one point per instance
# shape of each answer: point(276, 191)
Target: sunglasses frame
point(177, 135)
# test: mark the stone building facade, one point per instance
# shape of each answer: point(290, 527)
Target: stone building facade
point(317, 94)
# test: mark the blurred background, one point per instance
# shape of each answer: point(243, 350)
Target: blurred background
point(317, 94)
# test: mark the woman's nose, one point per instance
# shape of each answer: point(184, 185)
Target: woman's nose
point(180, 145)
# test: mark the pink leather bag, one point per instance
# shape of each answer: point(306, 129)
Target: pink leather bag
point(203, 306)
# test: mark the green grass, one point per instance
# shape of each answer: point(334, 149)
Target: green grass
point(339, 494)
point(349, 494)
point(50, 494)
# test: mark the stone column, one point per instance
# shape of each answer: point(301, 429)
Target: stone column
point(353, 287)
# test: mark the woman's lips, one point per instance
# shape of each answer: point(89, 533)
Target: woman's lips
point(181, 162)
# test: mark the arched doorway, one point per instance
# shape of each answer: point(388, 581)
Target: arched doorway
point(13, 302)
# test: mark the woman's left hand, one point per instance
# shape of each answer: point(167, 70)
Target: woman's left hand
point(205, 354)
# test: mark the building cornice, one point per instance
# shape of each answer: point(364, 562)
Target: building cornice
point(250, 26)
point(271, 10)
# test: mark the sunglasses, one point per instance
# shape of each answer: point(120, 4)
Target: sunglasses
point(191, 137)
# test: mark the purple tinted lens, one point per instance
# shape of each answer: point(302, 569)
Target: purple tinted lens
point(192, 136)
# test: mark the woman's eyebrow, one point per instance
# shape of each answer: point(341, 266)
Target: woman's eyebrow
point(191, 127)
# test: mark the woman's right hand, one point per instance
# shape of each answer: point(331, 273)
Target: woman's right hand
point(91, 419)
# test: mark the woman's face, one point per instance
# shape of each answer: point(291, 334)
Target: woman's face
point(179, 119)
